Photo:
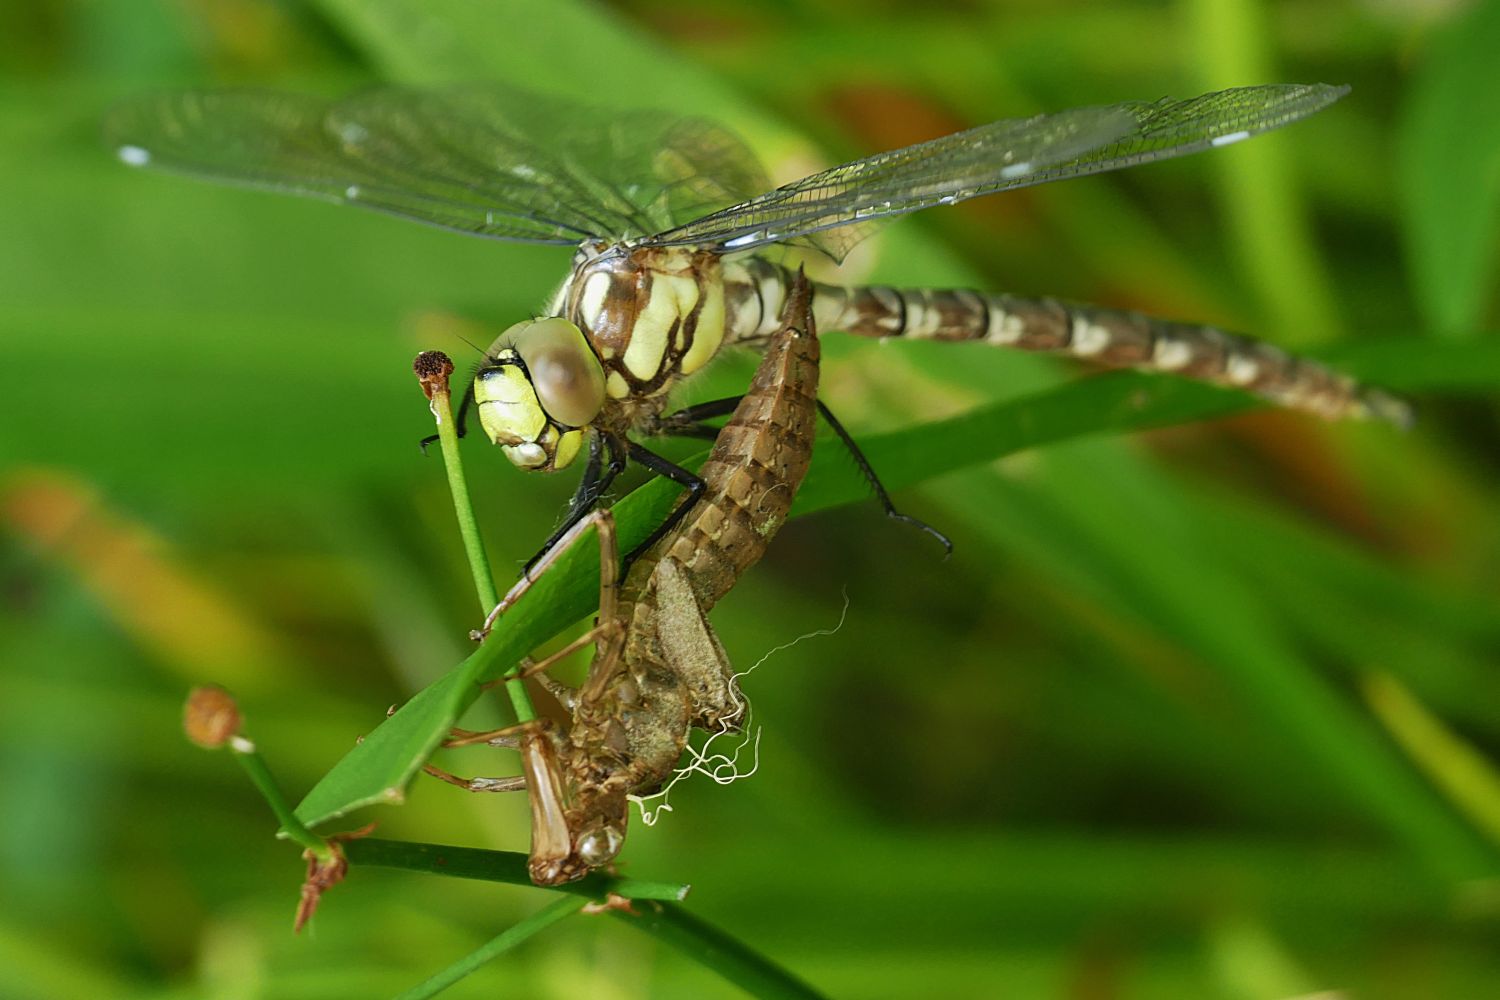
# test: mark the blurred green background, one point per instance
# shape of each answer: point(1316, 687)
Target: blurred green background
point(1206, 712)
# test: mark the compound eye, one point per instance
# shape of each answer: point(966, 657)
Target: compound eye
point(568, 379)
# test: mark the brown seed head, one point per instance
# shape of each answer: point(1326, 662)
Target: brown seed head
point(433, 369)
point(210, 717)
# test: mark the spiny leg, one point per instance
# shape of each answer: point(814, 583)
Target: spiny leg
point(599, 518)
point(510, 783)
point(505, 738)
point(694, 486)
point(597, 477)
point(509, 737)
point(687, 422)
point(607, 632)
point(868, 472)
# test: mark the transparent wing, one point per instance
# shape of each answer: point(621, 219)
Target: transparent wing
point(483, 159)
point(839, 204)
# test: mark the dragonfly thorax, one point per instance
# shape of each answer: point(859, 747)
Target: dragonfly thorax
point(651, 314)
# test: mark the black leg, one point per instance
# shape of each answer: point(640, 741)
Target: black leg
point(868, 472)
point(677, 474)
point(597, 478)
point(588, 492)
point(461, 421)
point(688, 421)
point(705, 411)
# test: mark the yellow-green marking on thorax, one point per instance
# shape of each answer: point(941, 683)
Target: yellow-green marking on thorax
point(652, 314)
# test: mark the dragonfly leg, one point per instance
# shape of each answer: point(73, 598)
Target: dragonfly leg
point(694, 486)
point(566, 695)
point(508, 737)
point(509, 783)
point(602, 519)
point(876, 486)
point(606, 631)
point(688, 421)
point(597, 477)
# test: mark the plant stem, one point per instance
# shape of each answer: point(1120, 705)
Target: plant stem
point(508, 867)
point(260, 775)
point(468, 525)
point(656, 914)
point(503, 942)
point(463, 507)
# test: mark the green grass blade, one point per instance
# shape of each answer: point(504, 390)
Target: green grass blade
point(1448, 155)
point(499, 945)
point(747, 969)
point(1469, 780)
point(1171, 575)
point(1268, 225)
point(508, 867)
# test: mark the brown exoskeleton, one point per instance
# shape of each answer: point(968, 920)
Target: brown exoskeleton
point(658, 667)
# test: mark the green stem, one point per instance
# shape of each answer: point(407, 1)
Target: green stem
point(468, 527)
point(463, 507)
point(747, 969)
point(503, 942)
point(655, 913)
point(494, 866)
point(260, 776)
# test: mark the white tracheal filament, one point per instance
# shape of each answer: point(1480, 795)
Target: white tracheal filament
point(724, 768)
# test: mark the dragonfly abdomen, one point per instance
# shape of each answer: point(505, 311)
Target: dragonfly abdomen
point(758, 460)
point(1112, 338)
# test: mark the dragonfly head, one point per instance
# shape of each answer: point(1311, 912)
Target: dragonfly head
point(540, 386)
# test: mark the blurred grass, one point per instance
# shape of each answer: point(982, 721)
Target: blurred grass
point(1117, 746)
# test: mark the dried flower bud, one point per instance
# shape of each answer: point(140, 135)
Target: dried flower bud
point(433, 369)
point(323, 873)
point(210, 717)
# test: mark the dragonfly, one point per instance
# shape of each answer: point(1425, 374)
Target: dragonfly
point(672, 219)
point(659, 669)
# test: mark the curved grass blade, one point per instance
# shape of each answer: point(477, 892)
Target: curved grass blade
point(494, 948)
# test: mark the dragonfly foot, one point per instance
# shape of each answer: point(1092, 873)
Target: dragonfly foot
point(921, 525)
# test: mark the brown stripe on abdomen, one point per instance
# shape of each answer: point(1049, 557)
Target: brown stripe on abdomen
point(1112, 338)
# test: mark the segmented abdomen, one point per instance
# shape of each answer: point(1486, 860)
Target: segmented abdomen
point(1113, 338)
point(758, 460)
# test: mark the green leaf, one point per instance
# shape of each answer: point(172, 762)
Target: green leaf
point(1449, 158)
point(439, 41)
